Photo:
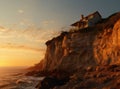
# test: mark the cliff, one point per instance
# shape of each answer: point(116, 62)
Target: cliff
point(91, 49)
point(98, 45)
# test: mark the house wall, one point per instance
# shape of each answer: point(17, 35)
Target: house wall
point(93, 20)
point(89, 21)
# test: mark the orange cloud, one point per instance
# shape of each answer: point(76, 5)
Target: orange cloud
point(31, 38)
point(23, 47)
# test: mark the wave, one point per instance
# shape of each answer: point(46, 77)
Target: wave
point(17, 80)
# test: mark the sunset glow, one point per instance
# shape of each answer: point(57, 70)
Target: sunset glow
point(25, 25)
point(16, 57)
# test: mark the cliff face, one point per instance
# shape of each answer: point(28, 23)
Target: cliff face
point(84, 59)
point(98, 45)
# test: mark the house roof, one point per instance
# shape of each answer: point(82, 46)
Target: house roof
point(81, 21)
point(94, 14)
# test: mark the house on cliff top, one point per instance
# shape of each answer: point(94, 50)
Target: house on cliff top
point(87, 21)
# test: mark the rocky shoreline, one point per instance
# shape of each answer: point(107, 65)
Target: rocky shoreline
point(98, 77)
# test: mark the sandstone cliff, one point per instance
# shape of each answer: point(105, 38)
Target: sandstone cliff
point(98, 45)
point(90, 57)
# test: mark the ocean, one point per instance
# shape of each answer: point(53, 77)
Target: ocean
point(14, 78)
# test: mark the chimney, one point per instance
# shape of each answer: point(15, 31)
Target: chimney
point(82, 16)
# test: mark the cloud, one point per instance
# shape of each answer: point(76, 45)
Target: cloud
point(2, 29)
point(23, 47)
point(47, 22)
point(20, 11)
point(31, 38)
point(26, 22)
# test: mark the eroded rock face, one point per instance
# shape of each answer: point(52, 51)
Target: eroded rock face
point(98, 45)
point(100, 77)
point(88, 58)
point(107, 49)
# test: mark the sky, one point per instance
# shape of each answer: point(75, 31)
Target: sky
point(25, 25)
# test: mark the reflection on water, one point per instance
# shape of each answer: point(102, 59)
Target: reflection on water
point(14, 78)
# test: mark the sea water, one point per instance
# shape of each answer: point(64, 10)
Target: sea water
point(14, 78)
